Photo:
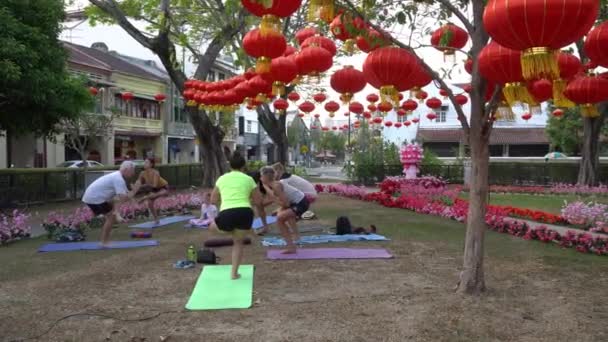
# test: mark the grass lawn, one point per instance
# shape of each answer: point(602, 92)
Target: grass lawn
point(549, 203)
point(536, 291)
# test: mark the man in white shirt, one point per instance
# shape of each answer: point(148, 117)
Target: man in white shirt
point(108, 190)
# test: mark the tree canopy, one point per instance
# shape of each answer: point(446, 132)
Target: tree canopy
point(36, 91)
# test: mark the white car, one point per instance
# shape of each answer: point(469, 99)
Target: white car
point(71, 164)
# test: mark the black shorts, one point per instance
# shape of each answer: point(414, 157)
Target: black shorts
point(235, 218)
point(101, 209)
point(300, 207)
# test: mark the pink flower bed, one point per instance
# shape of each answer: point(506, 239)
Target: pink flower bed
point(591, 216)
point(14, 227)
point(496, 217)
point(559, 188)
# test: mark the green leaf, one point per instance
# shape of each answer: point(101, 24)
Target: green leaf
point(401, 18)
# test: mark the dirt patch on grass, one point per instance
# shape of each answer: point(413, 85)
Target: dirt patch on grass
point(409, 297)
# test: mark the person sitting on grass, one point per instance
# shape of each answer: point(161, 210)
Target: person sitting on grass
point(106, 192)
point(208, 212)
point(292, 204)
point(235, 192)
point(154, 185)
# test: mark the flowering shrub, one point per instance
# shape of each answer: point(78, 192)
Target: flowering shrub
point(591, 216)
point(422, 185)
point(558, 188)
point(14, 227)
point(534, 215)
point(496, 217)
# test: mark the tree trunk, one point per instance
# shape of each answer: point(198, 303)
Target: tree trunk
point(276, 129)
point(590, 157)
point(210, 138)
point(472, 276)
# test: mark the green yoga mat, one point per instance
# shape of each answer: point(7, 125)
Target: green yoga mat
point(214, 290)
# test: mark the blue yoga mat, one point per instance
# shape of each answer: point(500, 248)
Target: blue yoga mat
point(163, 222)
point(78, 246)
point(257, 223)
point(314, 239)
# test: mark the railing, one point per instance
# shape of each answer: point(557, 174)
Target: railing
point(150, 125)
point(32, 186)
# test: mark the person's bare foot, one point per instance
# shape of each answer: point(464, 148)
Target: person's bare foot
point(119, 218)
point(290, 250)
point(104, 244)
point(235, 276)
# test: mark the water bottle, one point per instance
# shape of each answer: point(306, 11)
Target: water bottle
point(191, 254)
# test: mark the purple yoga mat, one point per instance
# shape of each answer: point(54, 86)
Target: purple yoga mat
point(330, 253)
point(78, 246)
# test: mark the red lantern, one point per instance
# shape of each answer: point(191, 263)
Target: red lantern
point(160, 97)
point(260, 87)
point(264, 48)
point(320, 41)
point(538, 28)
point(385, 107)
point(408, 123)
point(558, 113)
point(390, 69)
point(409, 106)
point(307, 107)
point(188, 94)
point(127, 96)
point(569, 66)
point(398, 124)
point(468, 66)
point(325, 129)
point(249, 74)
point(526, 116)
point(371, 107)
point(305, 33)
point(281, 105)
point(313, 61)
point(340, 26)
point(93, 91)
point(431, 116)
point(244, 90)
point(319, 97)
point(373, 98)
point(388, 124)
point(347, 81)
point(501, 65)
point(401, 112)
point(346, 113)
point(301, 115)
point(271, 22)
point(313, 127)
point(461, 99)
point(449, 38)
point(331, 107)
point(334, 128)
point(371, 40)
point(415, 120)
point(283, 70)
point(434, 103)
point(467, 88)
point(596, 44)
point(367, 115)
point(377, 120)
point(443, 93)
point(293, 96)
point(289, 50)
point(542, 90)
point(356, 108)
point(421, 95)
point(587, 91)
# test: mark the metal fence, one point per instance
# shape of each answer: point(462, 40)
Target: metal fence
point(32, 186)
point(499, 173)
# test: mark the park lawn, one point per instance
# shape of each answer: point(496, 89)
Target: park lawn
point(549, 203)
point(535, 291)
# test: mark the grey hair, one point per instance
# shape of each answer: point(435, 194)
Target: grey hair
point(267, 170)
point(126, 165)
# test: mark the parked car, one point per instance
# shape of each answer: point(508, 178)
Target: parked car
point(79, 163)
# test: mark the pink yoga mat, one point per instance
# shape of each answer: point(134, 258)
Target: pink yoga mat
point(330, 253)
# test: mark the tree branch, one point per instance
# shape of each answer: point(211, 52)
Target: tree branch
point(111, 8)
point(458, 14)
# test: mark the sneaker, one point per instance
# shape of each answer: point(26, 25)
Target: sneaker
point(183, 264)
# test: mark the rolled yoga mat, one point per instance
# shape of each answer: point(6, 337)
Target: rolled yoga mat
point(330, 253)
point(214, 290)
point(79, 246)
point(163, 222)
point(221, 242)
